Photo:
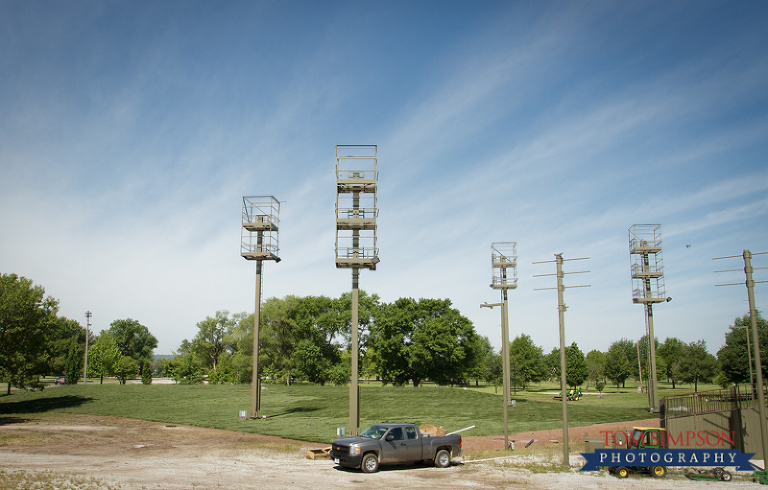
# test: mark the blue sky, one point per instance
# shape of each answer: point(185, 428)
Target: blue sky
point(130, 131)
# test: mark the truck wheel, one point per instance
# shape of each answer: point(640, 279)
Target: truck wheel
point(658, 471)
point(442, 459)
point(622, 472)
point(370, 463)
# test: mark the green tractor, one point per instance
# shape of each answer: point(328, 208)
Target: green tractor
point(643, 438)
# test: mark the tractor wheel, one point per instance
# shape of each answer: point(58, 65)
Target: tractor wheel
point(658, 471)
point(622, 472)
point(370, 463)
point(725, 476)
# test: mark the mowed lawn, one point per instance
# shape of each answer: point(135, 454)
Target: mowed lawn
point(313, 413)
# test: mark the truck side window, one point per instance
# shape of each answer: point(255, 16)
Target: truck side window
point(410, 432)
point(397, 433)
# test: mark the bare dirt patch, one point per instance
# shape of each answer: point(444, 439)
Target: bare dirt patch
point(83, 451)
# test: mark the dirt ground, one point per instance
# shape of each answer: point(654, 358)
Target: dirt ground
point(110, 452)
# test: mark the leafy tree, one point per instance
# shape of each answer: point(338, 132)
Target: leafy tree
point(211, 339)
point(671, 352)
point(425, 339)
point(74, 362)
point(552, 362)
point(697, 365)
point(146, 375)
point(183, 369)
point(630, 351)
point(576, 371)
point(134, 340)
point(734, 356)
point(595, 366)
point(494, 370)
point(527, 359)
point(126, 367)
point(58, 342)
point(103, 355)
point(617, 366)
point(310, 362)
point(26, 320)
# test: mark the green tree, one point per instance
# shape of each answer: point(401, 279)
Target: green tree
point(575, 365)
point(310, 362)
point(425, 339)
point(103, 355)
point(671, 352)
point(211, 340)
point(617, 366)
point(126, 367)
point(26, 320)
point(697, 365)
point(74, 362)
point(595, 365)
point(526, 360)
point(735, 356)
point(58, 342)
point(552, 362)
point(134, 340)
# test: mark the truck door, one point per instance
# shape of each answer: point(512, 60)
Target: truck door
point(413, 444)
point(393, 445)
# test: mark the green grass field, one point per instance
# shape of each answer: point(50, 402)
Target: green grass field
point(312, 413)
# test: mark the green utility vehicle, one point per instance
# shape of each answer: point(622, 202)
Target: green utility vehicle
point(643, 438)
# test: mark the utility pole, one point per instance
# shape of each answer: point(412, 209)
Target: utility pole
point(561, 307)
point(88, 316)
point(748, 270)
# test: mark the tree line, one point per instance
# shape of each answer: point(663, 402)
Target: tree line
point(405, 342)
point(35, 341)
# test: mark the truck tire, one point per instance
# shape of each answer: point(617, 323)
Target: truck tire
point(622, 472)
point(370, 463)
point(658, 471)
point(442, 459)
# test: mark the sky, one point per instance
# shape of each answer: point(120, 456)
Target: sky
point(130, 132)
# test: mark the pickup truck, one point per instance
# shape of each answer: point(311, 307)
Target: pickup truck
point(394, 443)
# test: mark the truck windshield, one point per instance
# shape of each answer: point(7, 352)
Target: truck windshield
point(374, 432)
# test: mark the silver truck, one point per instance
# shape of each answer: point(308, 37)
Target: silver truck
point(394, 443)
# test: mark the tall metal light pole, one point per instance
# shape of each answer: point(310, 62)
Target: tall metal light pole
point(504, 262)
point(647, 266)
point(259, 242)
point(356, 213)
point(561, 315)
point(748, 270)
point(88, 316)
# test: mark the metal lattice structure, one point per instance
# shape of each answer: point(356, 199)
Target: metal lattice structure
point(259, 233)
point(356, 211)
point(504, 260)
point(647, 264)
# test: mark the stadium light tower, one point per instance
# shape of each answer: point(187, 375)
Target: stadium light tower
point(258, 241)
point(356, 249)
point(647, 266)
point(504, 261)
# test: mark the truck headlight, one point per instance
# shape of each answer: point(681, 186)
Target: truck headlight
point(354, 450)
